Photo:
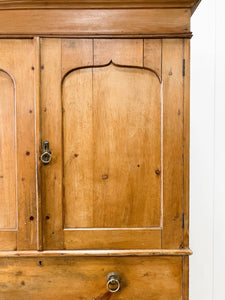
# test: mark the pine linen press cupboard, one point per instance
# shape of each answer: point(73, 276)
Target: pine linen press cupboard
point(94, 149)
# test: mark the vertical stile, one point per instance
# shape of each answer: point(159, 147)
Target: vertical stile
point(38, 142)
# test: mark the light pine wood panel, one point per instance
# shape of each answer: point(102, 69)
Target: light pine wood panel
point(78, 149)
point(76, 53)
point(127, 115)
point(186, 140)
point(27, 211)
point(8, 240)
point(124, 52)
point(112, 239)
point(112, 148)
point(38, 140)
point(153, 55)
point(185, 280)
point(8, 173)
point(17, 58)
point(156, 22)
point(173, 130)
point(51, 125)
point(85, 278)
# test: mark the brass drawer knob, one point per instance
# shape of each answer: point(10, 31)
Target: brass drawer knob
point(113, 282)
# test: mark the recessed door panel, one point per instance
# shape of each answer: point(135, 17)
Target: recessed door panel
point(8, 176)
point(111, 139)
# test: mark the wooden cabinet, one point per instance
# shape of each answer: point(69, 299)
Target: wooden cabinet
point(94, 149)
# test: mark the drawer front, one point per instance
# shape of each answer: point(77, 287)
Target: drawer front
point(85, 278)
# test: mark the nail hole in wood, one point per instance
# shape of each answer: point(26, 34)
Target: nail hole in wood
point(105, 176)
point(31, 218)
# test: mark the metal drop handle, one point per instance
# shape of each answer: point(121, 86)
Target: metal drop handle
point(113, 282)
point(46, 155)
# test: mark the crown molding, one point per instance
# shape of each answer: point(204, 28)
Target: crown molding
point(92, 22)
point(97, 4)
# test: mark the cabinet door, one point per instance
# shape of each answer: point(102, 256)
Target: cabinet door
point(17, 146)
point(108, 128)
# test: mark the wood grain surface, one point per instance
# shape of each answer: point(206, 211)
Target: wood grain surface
point(156, 22)
point(85, 278)
point(111, 138)
point(8, 157)
point(51, 130)
point(173, 130)
point(18, 181)
point(108, 182)
point(98, 253)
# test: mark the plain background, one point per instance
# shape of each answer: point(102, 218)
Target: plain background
point(207, 180)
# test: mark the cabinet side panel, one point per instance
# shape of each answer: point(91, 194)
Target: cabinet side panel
point(186, 140)
point(51, 119)
point(172, 75)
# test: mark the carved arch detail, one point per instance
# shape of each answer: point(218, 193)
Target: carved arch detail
point(114, 64)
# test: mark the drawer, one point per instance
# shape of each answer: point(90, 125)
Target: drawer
point(141, 278)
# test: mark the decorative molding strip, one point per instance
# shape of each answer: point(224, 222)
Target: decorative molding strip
point(100, 253)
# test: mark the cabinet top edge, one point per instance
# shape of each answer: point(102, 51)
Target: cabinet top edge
point(97, 4)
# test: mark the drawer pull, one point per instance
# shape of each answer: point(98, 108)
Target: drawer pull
point(113, 282)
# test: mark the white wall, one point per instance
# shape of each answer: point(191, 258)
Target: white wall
point(207, 227)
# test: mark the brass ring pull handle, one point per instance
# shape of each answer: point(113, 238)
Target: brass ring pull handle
point(46, 155)
point(113, 282)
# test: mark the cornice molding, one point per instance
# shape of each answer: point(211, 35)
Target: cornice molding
point(96, 23)
point(97, 4)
